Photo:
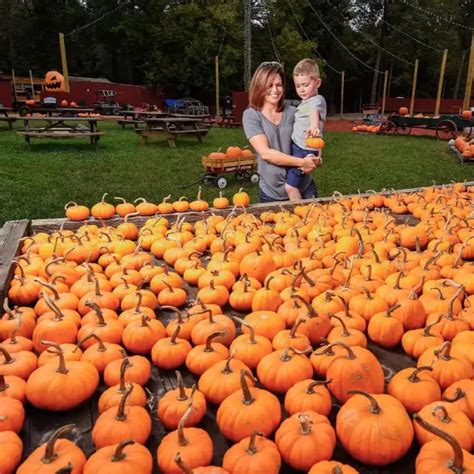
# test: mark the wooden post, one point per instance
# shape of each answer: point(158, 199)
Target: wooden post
point(217, 87)
point(14, 84)
point(384, 95)
point(441, 80)
point(342, 93)
point(62, 47)
point(32, 85)
point(413, 88)
point(470, 77)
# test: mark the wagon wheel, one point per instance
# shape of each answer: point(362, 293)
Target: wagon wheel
point(446, 130)
point(208, 179)
point(221, 182)
point(240, 175)
point(403, 130)
point(388, 128)
point(254, 178)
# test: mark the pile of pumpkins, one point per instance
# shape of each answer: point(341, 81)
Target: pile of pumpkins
point(311, 287)
point(366, 128)
point(232, 153)
point(464, 146)
point(141, 207)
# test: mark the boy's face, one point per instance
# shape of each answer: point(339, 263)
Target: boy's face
point(306, 86)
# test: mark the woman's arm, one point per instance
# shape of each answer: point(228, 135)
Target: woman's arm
point(260, 145)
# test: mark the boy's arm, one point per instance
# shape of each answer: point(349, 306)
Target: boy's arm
point(314, 129)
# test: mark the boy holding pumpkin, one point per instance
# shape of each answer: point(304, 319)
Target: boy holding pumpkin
point(310, 117)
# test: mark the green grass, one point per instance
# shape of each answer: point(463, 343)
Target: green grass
point(36, 183)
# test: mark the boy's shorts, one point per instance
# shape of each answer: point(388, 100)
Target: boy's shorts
point(294, 175)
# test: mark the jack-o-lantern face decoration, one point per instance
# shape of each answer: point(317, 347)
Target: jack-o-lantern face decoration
point(54, 81)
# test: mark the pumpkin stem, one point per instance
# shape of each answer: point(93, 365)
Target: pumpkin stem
point(8, 358)
point(175, 334)
point(252, 447)
point(375, 408)
point(248, 399)
point(121, 416)
point(390, 310)
point(328, 349)
point(345, 332)
point(250, 328)
point(297, 324)
point(119, 455)
point(123, 368)
point(100, 315)
point(426, 330)
point(227, 369)
point(101, 347)
point(457, 463)
point(311, 311)
point(445, 418)
point(208, 346)
point(3, 385)
point(49, 302)
point(7, 309)
point(310, 388)
point(182, 391)
point(47, 285)
point(285, 356)
point(440, 293)
point(305, 422)
point(414, 376)
point(62, 369)
point(182, 441)
point(49, 454)
point(457, 395)
point(367, 293)
point(445, 351)
point(182, 465)
point(451, 303)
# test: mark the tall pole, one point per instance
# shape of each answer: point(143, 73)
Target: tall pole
point(247, 43)
point(62, 47)
point(217, 87)
point(342, 93)
point(384, 94)
point(441, 80)
point(413, 88)
point(32, 85)
point(470, 77)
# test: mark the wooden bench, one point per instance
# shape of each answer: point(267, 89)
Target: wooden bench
point(9, 120)
point(59, 134)
point(133, 122)
point(170, 135)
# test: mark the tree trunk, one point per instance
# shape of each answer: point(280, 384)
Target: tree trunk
point(8, 28)
point(458, 78)
point(373, 95)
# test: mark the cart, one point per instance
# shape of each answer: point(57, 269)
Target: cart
point(243, 168)
point(447, 126)
point(105, 102)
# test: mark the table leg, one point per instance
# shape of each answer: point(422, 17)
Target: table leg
point(171, 142)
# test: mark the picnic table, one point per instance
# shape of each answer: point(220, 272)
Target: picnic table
point(170, 128)
point(9, 120)
point(61, 127)
point(136, 117)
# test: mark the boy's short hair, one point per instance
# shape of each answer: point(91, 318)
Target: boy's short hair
point(307, 67)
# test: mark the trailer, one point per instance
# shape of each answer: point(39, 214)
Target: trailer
point(447, 126)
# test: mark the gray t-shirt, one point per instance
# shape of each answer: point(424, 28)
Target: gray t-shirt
point(303, 120)
point(273, 177)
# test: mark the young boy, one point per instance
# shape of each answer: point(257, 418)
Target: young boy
point(310, 117)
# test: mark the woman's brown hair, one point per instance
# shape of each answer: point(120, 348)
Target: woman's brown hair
point(259, 84)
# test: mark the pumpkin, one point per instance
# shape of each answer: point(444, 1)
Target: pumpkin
point(265, 323)
point(304, 439)
point(194, 445)
point(403, 111)
point(222, 379)
point(126, 457)
point(120, 423)
point(310, 395)
point(145, 208)
point(203, 356)
point(181, 205)
point(374, 429)
point(12, 448)
point(170, 352)
point(357, 369)
point(253, 454)
point(466, 114)
point(460, 394)
point(54, 82)
point(103, 210)
point(102, 353)
point(173, 405)
point(417, 341)
point(315, 142)
point(213, 323)
point(54, 454)
point(12, 386)
point(279, 370)
point(450, 419)
point(12, 414)
point(414, 388)
point(220, 202)
point(341, 333)
point(292, 338)
point(140, 336)
point(384, 329)
point(113, 395)
point(233, 152)
point(76, 212)
point(442, 455)
point(241, 198)
point(198, 470)
point(199, 205)
point(257, 265)
point(332, 467)
point(246, 410)
point(138, 370)
point(66, 385)
point(124, 208)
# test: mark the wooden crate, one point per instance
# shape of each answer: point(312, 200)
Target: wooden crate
point(228, 165)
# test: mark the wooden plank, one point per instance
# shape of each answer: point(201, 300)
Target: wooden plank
point(59, 134)
point(12, 232)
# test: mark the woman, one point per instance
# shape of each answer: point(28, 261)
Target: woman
point(268, 124)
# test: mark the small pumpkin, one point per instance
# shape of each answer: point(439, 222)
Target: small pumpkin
point(12, 448)
point(241, 198)
point(76, 212)
point(103, 210)
point(220, 202)
point(310, 395)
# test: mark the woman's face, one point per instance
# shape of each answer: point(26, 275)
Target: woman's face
point(274, 89)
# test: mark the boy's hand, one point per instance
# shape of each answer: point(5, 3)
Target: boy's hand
point(309, 163)
point(313, 132)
